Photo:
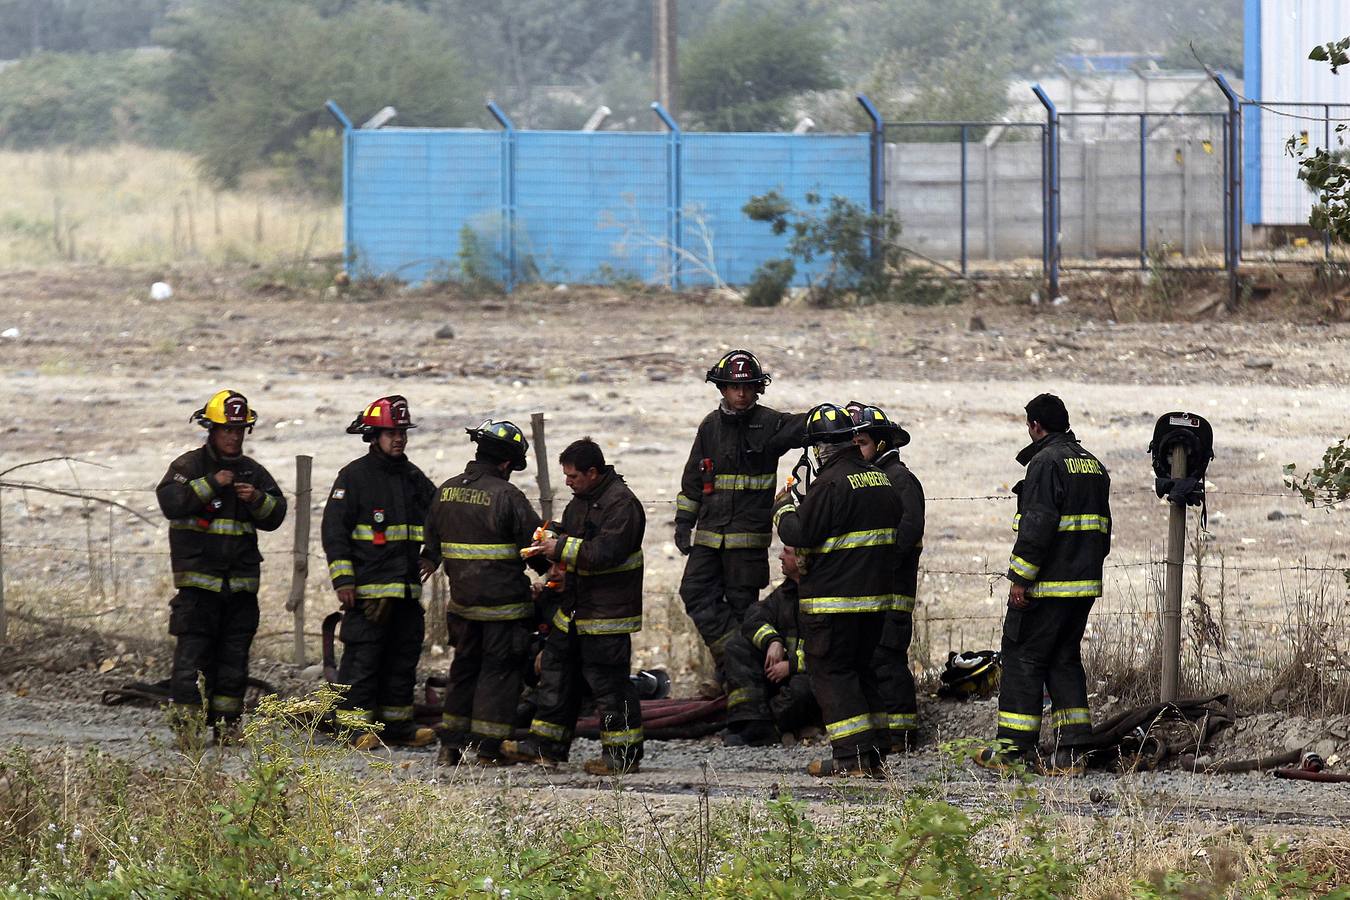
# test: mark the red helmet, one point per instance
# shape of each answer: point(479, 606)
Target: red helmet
point(386, 412)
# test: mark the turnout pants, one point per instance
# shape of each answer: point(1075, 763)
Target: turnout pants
point(215, 633)
point(717, 588)
point(894, 679)
point(839, 650)
point(571, 663)
point(382, 641)
point(789, 704)
point(1042, 649)
point(485, 681)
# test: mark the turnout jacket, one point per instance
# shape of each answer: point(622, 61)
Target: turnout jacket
point(845, 530)
point(372, 526)
point(733, 505)
point(477, 526)
point(775, 619)
point(1063, 520)
point(909, 533)
point(213, 535)
point(601, 548)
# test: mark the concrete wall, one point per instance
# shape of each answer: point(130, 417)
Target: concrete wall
point(1100, 205)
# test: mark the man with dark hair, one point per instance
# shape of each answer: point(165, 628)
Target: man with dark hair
point(372, 531)
point(477, 526)
point(599, 548)
point(1063, 527)
point(722, 522)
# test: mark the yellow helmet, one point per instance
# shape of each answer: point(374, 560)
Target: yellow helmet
point(226, 408)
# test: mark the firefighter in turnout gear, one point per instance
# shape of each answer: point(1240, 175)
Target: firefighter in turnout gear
point(771, 641)
point(880, 439)
point(478, 524)
point(372, 532)
point(723, 519)
point(590, 645)
point(216, 500)
point(845, 528)
point(1063, 527)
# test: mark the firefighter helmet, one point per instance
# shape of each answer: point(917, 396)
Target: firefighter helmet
point(828, 424)
point(971, 674)
point(739, 367)
point(385, 413)
point(873, 420)
point(226, 408)
point(504, 438)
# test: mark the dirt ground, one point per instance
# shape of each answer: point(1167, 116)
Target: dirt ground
point(99, 372)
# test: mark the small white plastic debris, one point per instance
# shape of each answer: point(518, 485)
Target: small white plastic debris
point(160, 291)
point(10, 333)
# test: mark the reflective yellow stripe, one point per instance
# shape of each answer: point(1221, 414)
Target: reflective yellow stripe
point(454, 723)
point(1073, 715)
point(782, 511)
point(743, 482)
point(1018, 721)
point(741, 540)
point(902, 721)
point(903, 603)
point(571, 547)
point(504, 613)
point(265, 508)
point(391, 533)
point(625, 738)
point(854, 540)
point(243, 585)
point(626, 625)
point(395, 713)
point(562, 621)
point(720, 644)
point(848, 727)
point(390, 589)
point(1086, 522)
point(202, 488)
point(630, 564)
point(341, 568)
point(549, 731)
point(874, 603)
point(1017, 522)
point(490, 729)
point(223, 704)
point(684, 504)
point(198, 580)
point(800, 650)
point(1088, 588)
point(454, 550)
point(216, 526)
point(1021, 567)
point(763, 635)
point(739, 696)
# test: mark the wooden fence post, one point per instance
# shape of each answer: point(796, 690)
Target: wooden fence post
point(4, 622)
point(541, 466)
point(300, 571)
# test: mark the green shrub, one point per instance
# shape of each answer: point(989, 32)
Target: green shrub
point(770, 282)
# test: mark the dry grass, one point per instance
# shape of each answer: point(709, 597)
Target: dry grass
point(131, 204)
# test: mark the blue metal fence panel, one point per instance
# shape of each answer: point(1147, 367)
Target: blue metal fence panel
point(591, 206)
point(413, 191)
point(722, 171)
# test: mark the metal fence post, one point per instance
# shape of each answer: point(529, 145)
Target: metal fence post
point(1232, 187)
point(1051, 177)
point(674, 191)
point(1326, 142)
point(508, 193)
point(1170, 685)
point(877, 146)
point(1143, 190)
point(348, 245)
point(965, 197)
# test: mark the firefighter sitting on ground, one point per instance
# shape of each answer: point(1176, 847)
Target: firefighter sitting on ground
point(880, 440)
point(845, 528)
point(372, 532)
point(477, 526)
point(216, 500)
point(600, 549)
point(771, 640)
point(1063, 527)
point(723, 521)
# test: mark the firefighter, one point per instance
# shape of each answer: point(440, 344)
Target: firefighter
point(1063, 527)
point(372, 534)
point(880, 439)
point(771, 640)
point(722, 519)
point(478, 524)
point(216, 500)
point(600, 549)
point(845, 528)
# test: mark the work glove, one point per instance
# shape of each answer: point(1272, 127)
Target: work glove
point(684, 536)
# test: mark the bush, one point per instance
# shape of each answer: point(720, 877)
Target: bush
point(770, 283)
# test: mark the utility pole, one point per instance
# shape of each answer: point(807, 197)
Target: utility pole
point(665, 41)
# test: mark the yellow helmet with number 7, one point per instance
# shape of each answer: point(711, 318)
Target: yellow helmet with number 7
point(226, 408)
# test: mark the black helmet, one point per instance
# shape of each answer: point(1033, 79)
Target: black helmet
point(739, 367)
point(872, 420)
point(973, 673)
point(828, 424)
point(503, 439)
